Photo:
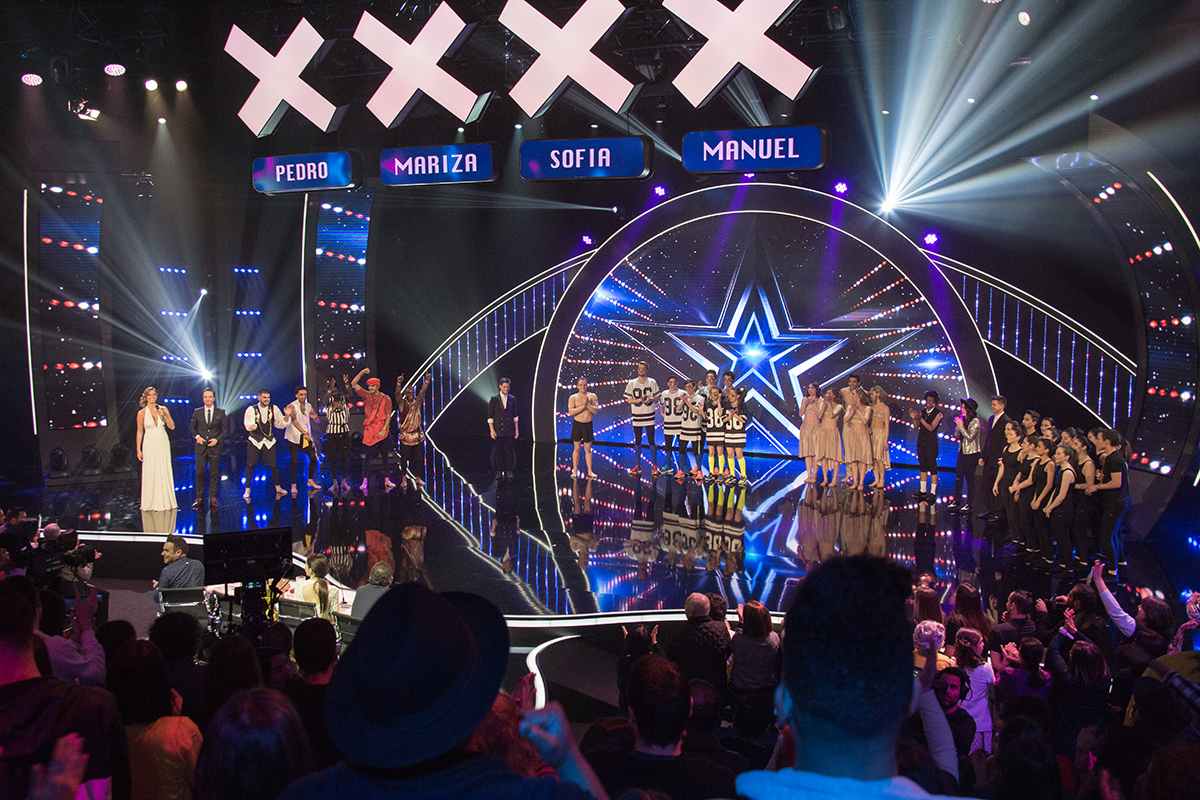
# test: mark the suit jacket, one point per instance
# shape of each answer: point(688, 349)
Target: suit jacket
point(217, 429)
point(994, 444)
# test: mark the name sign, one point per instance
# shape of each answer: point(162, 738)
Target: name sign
point(452, 163)
point(306, 173)
point(559, 159)
point(754, 149)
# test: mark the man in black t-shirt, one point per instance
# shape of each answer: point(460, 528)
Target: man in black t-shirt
point(1112, 487)
point(1017, 624)
point(951, 685)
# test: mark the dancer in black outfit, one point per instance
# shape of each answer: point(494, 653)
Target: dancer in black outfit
point(1060, 508)
point(337, 433)
point(1022, 489)
point(994, 444)
point(926, 422)
point(1043, 482)
point(1006, 471)
point(1085, 504)
point(1113, 491)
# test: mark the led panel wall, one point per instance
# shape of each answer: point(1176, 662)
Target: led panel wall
point(340, 277)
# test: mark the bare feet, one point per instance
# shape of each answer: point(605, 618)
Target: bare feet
point(280, 490)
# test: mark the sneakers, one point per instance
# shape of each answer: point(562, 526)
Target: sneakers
point(679, 475)
point(952, 505)
point(635, 470)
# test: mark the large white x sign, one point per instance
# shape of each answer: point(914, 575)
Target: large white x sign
point(565, 54)
point(415, 70)
point(736, 37)
point(279, 83)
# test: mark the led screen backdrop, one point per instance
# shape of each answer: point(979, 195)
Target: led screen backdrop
point(69, 301)
point(343, 222)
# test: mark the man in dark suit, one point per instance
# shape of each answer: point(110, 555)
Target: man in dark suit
point(504, 427)
point(989, 459)
point(209, 427)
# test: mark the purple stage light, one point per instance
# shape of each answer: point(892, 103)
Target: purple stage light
point(841, 187)
point(587, 240)
point(661, 191)
point(748, 175)
point(31, 79)
point(931, 238)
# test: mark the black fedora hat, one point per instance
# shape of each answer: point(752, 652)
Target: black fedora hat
point(970, 402)
point(421, 674)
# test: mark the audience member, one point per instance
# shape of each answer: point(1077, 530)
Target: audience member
point(177, 636)
point(1173, 774)
point(607, 733)
point(81, 657)
point(254, 748)
point(420, 676)
point(641, 640)
point(967, 613)
point(38, 711)
point(718, 609)
point(317, 589)
point(179, 571)
point(926, 605)
point(1026, 768)
point(1081, 684)
point(701, 648)
point(755, 647)
point(232, 667)
point(500, 735)
point(113, 635)
point(273, 647)
point(163, 747)
point(316, 647)
point(1017, 624)
point(379, 581)
point(700, 740)
point(843, 696)
point(951, 685)
point(755, 735)
point(659, 706)
point(1022, 674)
point(929, 636)
point(981, 680)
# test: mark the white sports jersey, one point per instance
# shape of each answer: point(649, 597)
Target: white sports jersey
point(673, 408)
point(644, 397)
point(691, 418)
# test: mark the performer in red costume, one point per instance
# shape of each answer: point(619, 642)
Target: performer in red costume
point(378, 408)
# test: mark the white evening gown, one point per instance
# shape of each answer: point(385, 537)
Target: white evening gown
point(158, 481)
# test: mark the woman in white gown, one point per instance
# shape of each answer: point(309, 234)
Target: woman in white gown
point(154, 451)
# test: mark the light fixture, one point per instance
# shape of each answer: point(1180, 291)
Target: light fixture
point(970, 99)
point(31, 79)
point(1023, 18)
point(517, 126)
point(162, 120)
point(114, 70)
point(841, 187)
point(931, 238)
point(1095, 97)
point(462, 129)
point(151, 85)
point(181, 85)
point(203, 292)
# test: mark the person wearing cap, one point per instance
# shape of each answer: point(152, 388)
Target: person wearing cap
point(926, 422)
point(378, 409)
point(418, 679)
point(969, 432)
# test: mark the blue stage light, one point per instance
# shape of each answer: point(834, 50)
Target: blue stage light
point(841, 187)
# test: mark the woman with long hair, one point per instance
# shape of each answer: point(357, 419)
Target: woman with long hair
point(810, 422)
point(881, 419)
point(640, 640)
point(857, 437)
point(256, 747)
point(317, 589)
point(829, 441)
point(970, 655)
point(1043, 483)
point(1010, 458)
point(967, 613)
point(1084, 519)
point(927, 605)
point(154, 451)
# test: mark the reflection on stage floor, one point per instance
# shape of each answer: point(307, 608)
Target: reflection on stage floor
point(546, 543)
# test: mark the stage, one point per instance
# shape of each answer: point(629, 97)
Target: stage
point(546, 545)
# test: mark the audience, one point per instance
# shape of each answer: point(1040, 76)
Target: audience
point(700, 740)
point(177, 636)
point(379, 581)
point(981, 681)
point(38, 711)
point(420, 676)
point(1017, 624)
point(701, 649)
point(929, 636)
point(163, 747)
point(660, 703)
point(317, 589)
point(951, 685)
point(232, 667)
point(113, 635)
point(316, 649)
point(967, 613)
point(1081, 684)
point(755, 647)
point(1022, 673)
point(81, 657)
point(254, 748)
point(499, 735)
point(641, 640)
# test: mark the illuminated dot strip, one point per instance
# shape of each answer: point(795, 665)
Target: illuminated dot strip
point(854, 285)
point(626, 308)
point(920, 352)
point(905, 329)
point(871, 297)
point(891, 310)
point(606, 342)
point(629, 288)
point(646, 278)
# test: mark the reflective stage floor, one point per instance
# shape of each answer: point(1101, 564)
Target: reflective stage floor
point(545, 543)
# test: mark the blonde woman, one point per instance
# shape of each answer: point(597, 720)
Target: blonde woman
point(154, 451)
point(810, 421)
point(880, 423)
